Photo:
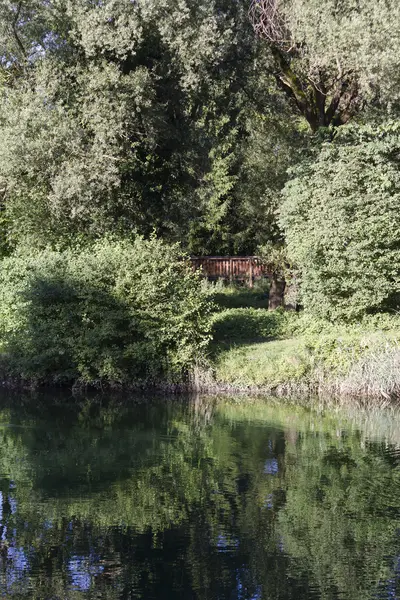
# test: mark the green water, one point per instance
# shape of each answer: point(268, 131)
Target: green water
point(197, 500)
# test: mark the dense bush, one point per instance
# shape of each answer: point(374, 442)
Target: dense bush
point(116, 312)
point(341, 219)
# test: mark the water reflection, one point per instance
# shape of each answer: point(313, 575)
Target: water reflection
point(205, 500)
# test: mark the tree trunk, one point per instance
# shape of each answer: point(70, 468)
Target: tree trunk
point(311, 97)
point(276, 292)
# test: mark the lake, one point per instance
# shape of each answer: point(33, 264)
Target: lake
point(211, 499)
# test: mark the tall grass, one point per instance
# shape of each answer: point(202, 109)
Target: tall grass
point(377, 374)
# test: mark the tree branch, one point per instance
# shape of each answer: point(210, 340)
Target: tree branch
point(14, 28)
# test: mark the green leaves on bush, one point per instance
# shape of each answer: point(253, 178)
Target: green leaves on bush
point(116, 312)
point(341, 219)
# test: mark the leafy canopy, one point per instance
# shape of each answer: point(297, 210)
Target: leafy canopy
point(133, 116)
point(332, 58)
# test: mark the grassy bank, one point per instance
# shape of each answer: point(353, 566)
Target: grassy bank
point(287, 352)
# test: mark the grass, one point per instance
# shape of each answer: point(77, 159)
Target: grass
point(236, 326)
point(261, 350)
point(267, 364)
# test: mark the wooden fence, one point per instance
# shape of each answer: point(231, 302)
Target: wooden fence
point(231, 268)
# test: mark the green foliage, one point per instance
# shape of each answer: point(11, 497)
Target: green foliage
point(331, 58)
point(260, 349)
point(340, 220)
point(120, 117)
point(275, 258)
point(242, 191)
point(348, 37)
point(273, 144)
point(116, 312)
point(167, 116)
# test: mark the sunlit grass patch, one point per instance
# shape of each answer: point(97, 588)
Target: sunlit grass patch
point(264, 364)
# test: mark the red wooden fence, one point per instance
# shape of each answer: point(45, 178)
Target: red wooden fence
point(231, 268)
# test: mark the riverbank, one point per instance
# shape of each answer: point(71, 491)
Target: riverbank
point(363, 362)
point(367, 364)
point(251, 350)
point(362, 365)
point(288, 353)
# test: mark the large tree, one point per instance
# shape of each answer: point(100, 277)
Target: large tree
point(133, 116)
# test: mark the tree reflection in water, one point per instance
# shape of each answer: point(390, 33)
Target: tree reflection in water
point(206, 499)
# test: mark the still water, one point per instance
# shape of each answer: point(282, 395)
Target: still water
point(208, 500)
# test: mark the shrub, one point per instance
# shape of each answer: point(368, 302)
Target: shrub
point(340, 216)
point(115, 312)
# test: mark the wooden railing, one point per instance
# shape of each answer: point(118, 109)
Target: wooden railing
point(231, 268)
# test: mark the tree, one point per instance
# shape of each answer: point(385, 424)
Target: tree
point(243, 190)
point(331, 57)
point(128, 117)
